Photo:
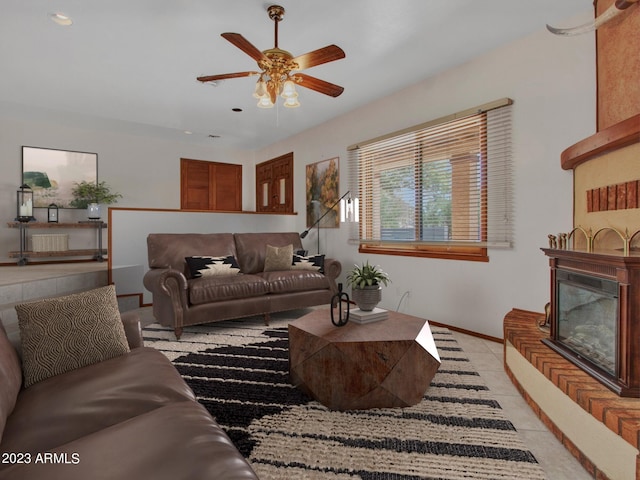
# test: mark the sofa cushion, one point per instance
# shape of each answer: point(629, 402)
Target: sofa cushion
point(202, 266)
point(289, 281)
point(176, 442)
point(251, 247)
point(64, 333)
point(314, 263)
point(10, 378)
point(63, 408)
point(228, 287)
point(278, 258)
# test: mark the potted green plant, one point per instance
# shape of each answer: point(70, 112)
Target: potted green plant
point(91, 195)
point(366, 282)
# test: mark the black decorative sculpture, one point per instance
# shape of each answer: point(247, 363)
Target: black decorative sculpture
point(336, 301)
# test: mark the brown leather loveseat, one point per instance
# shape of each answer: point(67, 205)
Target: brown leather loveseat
point(238, 281)
point(129, 417)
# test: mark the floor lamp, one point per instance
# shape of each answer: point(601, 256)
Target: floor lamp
point(344, 216)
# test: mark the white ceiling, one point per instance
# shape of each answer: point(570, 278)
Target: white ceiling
point(132, 64)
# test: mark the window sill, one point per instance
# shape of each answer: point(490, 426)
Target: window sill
point(471, 254)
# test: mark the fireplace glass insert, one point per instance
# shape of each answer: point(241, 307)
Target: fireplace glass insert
point(587, 318)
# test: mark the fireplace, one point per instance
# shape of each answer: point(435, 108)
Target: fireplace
point(587, 318)
point(595, 309)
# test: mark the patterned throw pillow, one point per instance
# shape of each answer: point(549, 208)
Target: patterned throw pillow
point(211, 266)
point(313, 262)
point(65, 333)
point(278, 258)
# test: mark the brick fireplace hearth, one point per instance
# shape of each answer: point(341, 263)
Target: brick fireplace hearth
point(601, 429)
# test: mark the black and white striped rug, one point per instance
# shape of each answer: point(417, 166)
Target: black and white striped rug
point(239, 372)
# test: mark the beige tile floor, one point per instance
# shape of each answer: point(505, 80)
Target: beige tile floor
point(556, 461)
point(554, 458)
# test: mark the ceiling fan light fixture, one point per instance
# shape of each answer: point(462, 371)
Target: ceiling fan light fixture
point(261, 89)
point(292, 102)
point(289, 89)
point(265, 102)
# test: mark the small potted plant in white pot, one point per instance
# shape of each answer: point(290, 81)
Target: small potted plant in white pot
point(91, 195)
point(366, 282)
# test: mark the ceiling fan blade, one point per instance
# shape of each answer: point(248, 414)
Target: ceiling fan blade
point(224, 76)
point(326, 54)
point(318, 85)
point(246, 46)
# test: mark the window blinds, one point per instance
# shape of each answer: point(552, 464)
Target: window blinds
point(445, 182)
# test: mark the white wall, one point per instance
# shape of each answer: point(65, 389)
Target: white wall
point(552, 82)
point(144, 169)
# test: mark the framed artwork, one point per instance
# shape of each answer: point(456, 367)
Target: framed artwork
point(323, 182)
point(52, 174)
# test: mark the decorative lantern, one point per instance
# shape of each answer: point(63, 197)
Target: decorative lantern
point(52, 213)
point(25, 204)
point(94, 211)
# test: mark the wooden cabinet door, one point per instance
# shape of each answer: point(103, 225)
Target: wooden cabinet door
point(227, 186)
point(210, 185)
point(194, 185)
point(274, 185)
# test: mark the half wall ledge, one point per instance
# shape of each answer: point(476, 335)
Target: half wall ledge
point(599, 428)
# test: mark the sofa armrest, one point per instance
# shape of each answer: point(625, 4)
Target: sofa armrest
point(332, 270)
point(132, 329)
point(170, 295)
point(169, 282)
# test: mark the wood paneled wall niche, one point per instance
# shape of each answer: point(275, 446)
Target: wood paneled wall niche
point(274, 185)
point(210, 186)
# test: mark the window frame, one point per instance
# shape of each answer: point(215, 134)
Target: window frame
point(451, 250)
point(425, 250)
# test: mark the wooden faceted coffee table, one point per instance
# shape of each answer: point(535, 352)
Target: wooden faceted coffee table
point(389, 363)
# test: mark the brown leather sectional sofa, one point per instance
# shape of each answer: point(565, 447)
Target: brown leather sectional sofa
point(180, 300)
point(131, 417)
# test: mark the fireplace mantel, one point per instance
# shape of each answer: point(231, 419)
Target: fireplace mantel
point(617, 136)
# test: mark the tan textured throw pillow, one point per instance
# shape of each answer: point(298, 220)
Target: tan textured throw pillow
point(278, 258)
point(64, 333)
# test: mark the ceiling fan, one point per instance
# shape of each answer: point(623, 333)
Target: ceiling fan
point(279, 70)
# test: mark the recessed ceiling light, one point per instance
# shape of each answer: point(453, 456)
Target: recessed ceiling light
point(61, 19)
point(187, 132)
